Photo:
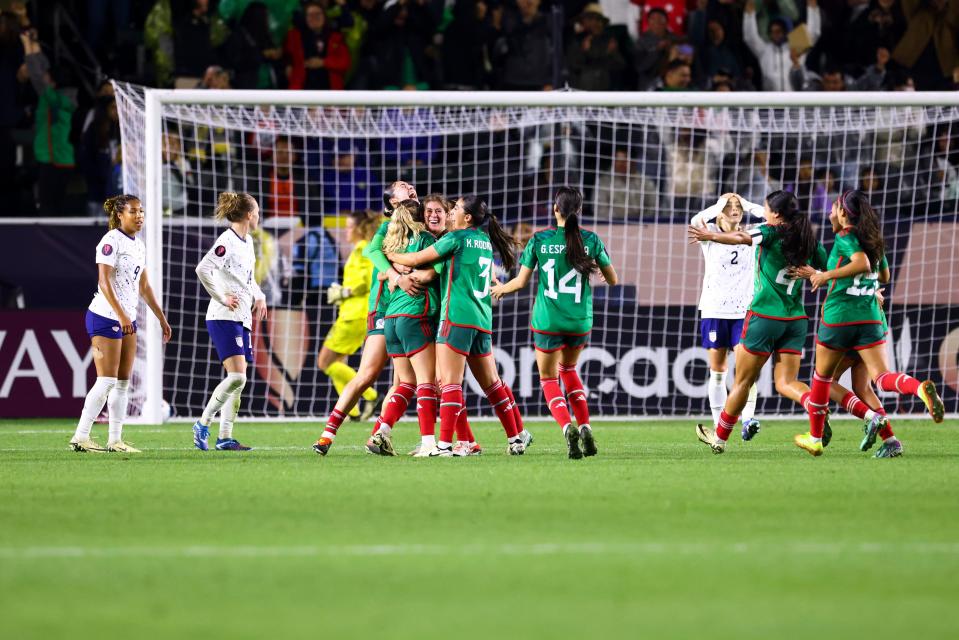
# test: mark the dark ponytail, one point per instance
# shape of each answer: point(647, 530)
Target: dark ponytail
point(795, 231)
point(866, 221)
point(504, 243)
point(569, 201)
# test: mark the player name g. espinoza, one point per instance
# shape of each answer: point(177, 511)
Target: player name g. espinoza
point(557, 248)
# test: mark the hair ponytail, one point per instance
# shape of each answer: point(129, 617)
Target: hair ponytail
point(235, 207)
point(114, 207)
point(795, 231)
point(569, 203)
point(504, 243)
point(866, 221)
point(406, 225)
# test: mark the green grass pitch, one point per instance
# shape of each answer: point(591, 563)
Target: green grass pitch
point(656, 537)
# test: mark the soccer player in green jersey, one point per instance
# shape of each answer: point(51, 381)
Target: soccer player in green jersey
point(564, 257)
point(464, 259)
point(374, 356)
point(851, 319)
point(776, 323)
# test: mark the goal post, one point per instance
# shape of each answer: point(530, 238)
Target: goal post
point(646, 162)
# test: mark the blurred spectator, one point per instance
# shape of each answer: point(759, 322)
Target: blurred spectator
point(832, 77)
point(467, 43)
point(98, 149)
point(284, 190)
point(51, 144)
point(325, 54)
point(193, 42)
point(623, 26)
point(215, 77)
point(97, 12)
point(158, 40)
point(395, 53)
point(945, 174)
point(870, 183)
point(775, 56)
point(677, 76)
point(251, 50)
point(178, 177)
point(12, 75)
point(278, 14)
point(713, 53)
point(522, 232)
point(752, 180)
point(624, 193)
point(880, 25)
point(523, 52)
point(691, 173)
point(767, 11)
point(346, 186)
point(825, 192)
point(928, 47)
point(652, 48)
point(593, 58)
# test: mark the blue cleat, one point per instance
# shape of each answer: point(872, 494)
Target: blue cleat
point(750, 429)
point(891, 449)
point(870, 430)
point(201, 436)
point(229, 444)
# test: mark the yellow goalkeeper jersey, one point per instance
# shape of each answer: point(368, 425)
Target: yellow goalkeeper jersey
point(357, 276)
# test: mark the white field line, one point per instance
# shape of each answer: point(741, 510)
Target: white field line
point(421, 550)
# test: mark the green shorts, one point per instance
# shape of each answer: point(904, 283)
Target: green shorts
point(375, 323)
point(850, 336)
point(465, 340)
point(406, 336)
point(549, 342)
point(763, 336)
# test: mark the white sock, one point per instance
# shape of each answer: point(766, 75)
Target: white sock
point(566, 426)
point(221, 394)
point(385, 429)
point(92, 406)
point(329, 435)
point(117, 408)
point(440, 444)
point(717, 393)
point(228, 414)
point(870, 414)
point(430, 441)
point(750, 409)
point(890, 439)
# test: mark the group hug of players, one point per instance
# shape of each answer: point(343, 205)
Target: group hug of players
point(418, 290)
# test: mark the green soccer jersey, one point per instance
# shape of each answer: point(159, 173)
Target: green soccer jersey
point(564, 297)
point(465, 279)
point(851, 300)
point(423, 305)
point(775, 294)
point(379, 298)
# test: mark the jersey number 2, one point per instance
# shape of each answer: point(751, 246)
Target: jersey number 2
point(574, 276)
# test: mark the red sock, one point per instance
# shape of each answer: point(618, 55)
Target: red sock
point(555, 401)
point(885, 432)
point(854, 405)
point(497, 397)
point(394, 409)
point(463, 430)
point(517, 417)
point(334, 421)
point(725, 425)
point(575, 393)
point(900, 382)
point(426, 408)
point(804, 401)
point(818, 404)
point(451, 402)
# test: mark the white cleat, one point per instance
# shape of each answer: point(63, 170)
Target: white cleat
point(461, 449)
point(87, 446)
point(438, 452)
point(516, 449)
point(708, 438)
point(122, 447)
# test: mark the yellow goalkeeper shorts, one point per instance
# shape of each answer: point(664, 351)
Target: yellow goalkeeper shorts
point(346, 336)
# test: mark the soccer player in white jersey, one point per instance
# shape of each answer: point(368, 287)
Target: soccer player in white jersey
point(226, 272)
point(727, 292)
point(112, 322)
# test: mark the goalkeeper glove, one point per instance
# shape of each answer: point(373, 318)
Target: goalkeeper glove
point(337, 293)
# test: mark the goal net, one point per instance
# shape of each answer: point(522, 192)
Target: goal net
point(645, 170)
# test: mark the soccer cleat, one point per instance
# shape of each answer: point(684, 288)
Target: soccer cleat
point(929, 396)
point(526, 438)
point(424, 451)
point(415, 451)
point(750, 429)
point(367, 409)
point(892, 449)
point(708, 438)
point(871, 429)
point(230, 444)
point(573, 451)
point(87, 446)
point(586, 439)
point(475, 449)
point(122, 447)
point(438, 452)
point(826, 431)
point(201, 436)
point(805, 441)
point(372, 447)
point(382, 442)
point(515, 449)
point(322, 446)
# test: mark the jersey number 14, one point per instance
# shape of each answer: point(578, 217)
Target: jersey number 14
point(572, 276)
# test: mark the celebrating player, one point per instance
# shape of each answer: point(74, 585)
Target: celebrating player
point(112, 322)
point(348, 332)
point(563, 311)
point(226, 272)
point(727, 292)
point(776, 323)
point(465, 259)
point(851, 319)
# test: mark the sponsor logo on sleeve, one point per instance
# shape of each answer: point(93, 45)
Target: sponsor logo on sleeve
point(220, 251)
point(107, 249)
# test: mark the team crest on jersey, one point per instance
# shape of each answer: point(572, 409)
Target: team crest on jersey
point(239, 341)
point(380, 323)
point(712, 336)
point(220, 251)
point(107, 249)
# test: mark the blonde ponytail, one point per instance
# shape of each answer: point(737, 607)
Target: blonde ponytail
point(233, 206)
point(406, 225)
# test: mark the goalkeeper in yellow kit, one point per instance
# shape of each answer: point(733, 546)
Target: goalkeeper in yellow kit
point(349, 331)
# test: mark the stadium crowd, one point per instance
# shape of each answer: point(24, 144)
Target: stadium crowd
point(60, 152)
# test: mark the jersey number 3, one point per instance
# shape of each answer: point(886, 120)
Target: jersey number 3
point(485, 265)
point(575, 289)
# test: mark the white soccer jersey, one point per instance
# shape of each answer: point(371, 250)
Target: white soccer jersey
point(730, 269)
point(226, 269)
point(127, 255)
